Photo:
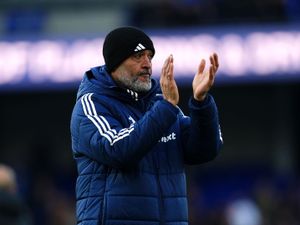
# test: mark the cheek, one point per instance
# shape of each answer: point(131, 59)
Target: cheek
point(131, 70)
point(126, 76)
point(124, 72)
point(133, 73)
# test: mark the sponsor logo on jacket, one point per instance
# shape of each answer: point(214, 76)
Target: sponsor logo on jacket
point(167, 138)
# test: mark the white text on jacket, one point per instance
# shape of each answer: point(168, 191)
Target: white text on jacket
point(170, 137)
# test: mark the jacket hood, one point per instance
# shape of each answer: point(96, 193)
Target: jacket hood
point(98, 80)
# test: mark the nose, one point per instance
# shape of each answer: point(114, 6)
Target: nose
point(147, 62)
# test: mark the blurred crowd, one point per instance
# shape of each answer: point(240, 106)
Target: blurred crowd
point(13, 211)
point(261, 201)
point(264, 202)
point(205, 12)
point(35, 17)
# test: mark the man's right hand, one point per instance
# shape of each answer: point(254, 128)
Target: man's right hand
point(167, 83)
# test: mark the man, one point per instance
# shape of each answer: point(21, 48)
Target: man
point(131, 141)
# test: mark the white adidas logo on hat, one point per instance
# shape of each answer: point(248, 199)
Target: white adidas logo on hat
point(139, 47)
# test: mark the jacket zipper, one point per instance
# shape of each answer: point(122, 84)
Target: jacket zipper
point(103, 210)
point(104, 200)
point(160, 199)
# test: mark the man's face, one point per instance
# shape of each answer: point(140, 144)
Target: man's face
point(134, 73)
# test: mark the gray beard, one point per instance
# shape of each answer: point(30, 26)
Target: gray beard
point(134, 84)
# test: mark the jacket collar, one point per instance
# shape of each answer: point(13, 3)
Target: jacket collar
point(98, 80)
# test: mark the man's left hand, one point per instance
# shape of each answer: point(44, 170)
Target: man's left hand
point(204, 80)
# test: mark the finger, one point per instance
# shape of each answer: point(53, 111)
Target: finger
point(213, 62)
point(164, 71)
point(216, 59)
point(211, 72)
point(171, 68)
point(164, 68)
point(211, 76)
point(167, 70)
point(201, 66)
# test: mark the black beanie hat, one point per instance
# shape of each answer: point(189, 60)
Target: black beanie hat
point(121, 43)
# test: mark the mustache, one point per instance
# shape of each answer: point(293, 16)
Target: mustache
point(144, 72)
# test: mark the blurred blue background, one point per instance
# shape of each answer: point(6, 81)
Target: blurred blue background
point(46, 46)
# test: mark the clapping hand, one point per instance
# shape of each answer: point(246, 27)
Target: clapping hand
point(167, 83)
point(204, 80)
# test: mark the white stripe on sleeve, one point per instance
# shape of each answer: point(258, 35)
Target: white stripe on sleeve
point(101, 123)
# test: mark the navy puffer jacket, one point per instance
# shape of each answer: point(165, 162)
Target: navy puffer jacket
point(130, 151)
